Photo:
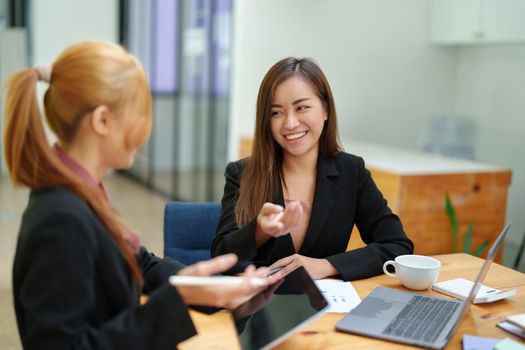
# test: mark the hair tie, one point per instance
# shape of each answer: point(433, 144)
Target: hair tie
point(44, 72)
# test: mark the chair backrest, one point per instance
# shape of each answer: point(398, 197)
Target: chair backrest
point(189, 229)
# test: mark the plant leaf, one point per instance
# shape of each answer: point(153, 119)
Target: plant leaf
point(479, 250)
point(468, 238)
point(451, 213)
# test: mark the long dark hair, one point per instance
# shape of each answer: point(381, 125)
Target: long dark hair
point(260, 179)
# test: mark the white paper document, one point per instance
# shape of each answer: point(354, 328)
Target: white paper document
point(341, 295)
point(460, 288)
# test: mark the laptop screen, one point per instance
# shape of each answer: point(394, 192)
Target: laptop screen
point(270, 316)
point(411, 318)
point(494, 248)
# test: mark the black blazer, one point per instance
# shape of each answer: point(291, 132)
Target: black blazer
point(73, 290)
point(345, 194)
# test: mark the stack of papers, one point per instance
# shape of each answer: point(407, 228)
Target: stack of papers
point(514, 324)
point(341, 295)
point(509, 344)
point(517, 320)
point(473, 342)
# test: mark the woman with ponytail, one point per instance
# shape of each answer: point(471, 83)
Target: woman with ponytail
point(79, 270)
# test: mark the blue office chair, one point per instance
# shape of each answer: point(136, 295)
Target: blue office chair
point(189, 229)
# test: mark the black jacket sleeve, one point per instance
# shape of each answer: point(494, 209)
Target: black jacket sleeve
point(380, 229)
point(55, 283)
point(156, 271)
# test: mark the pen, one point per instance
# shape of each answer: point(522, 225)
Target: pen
point(274, 270)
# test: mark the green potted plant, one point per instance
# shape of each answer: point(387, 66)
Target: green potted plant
point(451, 213)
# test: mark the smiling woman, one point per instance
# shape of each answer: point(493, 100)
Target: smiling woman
point(295, 200)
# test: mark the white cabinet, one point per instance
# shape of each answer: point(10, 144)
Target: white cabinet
point(478, 21)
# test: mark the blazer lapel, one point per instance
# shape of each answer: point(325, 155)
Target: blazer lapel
point(326, 191)
point(284, 244)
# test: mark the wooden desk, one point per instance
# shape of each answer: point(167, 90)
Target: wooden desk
point(217, 331)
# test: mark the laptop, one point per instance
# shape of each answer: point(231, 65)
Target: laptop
point(411, 318)
point(278, 311)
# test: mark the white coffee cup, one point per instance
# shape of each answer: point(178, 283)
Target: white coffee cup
point(414, 271)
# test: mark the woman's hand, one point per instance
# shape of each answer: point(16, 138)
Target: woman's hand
point(317, 268)
point(226, 296)
point(274, 221)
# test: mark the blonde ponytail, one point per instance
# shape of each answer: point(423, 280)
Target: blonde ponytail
point(30, 159)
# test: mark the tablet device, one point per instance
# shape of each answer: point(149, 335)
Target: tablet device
point(278, 311)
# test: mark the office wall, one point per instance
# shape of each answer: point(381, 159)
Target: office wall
point(3, 14)
point(56, 24)
point(388, 80)
point(490, 90)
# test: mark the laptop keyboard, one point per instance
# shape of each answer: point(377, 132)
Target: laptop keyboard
point(423, 318)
